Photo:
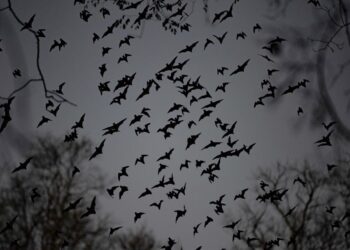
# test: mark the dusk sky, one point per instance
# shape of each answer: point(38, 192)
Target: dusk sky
point(277, 130)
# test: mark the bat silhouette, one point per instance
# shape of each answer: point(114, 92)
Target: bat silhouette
point(195, 229)
point(80, 123)
point(212, 104)
point(185, 27)
point(112, 230)
point(240, 68)
point(258, 102)
point(110, 28)
point(105, 12)
point(49, 104)
point(272, 48)
point(95, 37)
point(72, 205)
point(207, 42)
point(105, 50)
point(43, 121)
point(114, 128)
point(122, 191)
point(217, 16)
point(102, 69)
point(242, 35)
point(157, 205)
point(91, 209)
point(271, 71)
point(142, 15)
point(221, 71)
point(175, 107)
point(161, 167)
point(179, 12)
point(124, 58)
point(329, 125)
point(192, 140)
point(241, 195)
point(141, 159)
point(58, 44)
point(55, 111)
point(207, 221)
point(188, 48)
point(180, 65)
point(145, 193)
point(221, 38)
point(300, 111)
point(145, 129)
point(85, 15)
point(126, 40)
point(111, 190)
point(123, 172)
point(145, 112)
point(145, 91)
point(191, 123)
point(232, 225)
point(133, 5)
point(28, 25)
point(212, 144)
point(180, 213)
point(256, 28)
point(206, 113)
point(228, 14)
point(230, 131)
point(98, 150)
point(248, 148)
point(22, 165)
point(325, 140)
point(277, 40)
point(170, 245)
point(199, 163)
point(184, 165)
point(166, 156)
point(75, 171)
point(231, 143)
point(267, 58)
point(222, 87)
point(138, 216)
point(121, 96)
point(237, 235)
point(40, 33)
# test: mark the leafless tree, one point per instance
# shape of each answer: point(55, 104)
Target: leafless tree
point(296, 207)
point(41, 221)
point(136, 240)
point(319, 51)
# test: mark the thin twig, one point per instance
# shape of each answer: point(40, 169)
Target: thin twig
point(48, 93)
point(4, 8)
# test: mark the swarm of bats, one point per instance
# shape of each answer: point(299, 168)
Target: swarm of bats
point(195, 94)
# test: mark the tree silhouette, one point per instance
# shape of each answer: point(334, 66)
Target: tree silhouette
point(135, 240)
point(294, 204)
point(318, 51)
point(39, 196)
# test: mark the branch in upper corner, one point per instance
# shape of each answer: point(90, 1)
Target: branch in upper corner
point(48, 93)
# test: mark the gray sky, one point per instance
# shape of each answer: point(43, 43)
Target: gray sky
point(77, 65)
